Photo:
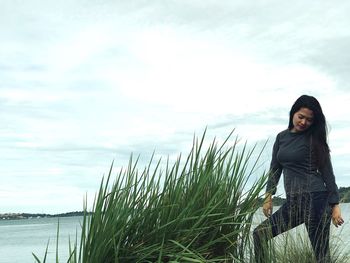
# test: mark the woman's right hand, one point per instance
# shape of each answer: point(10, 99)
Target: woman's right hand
point(336, 216)
point(267, 206)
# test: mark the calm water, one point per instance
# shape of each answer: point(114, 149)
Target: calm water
point(19, 238)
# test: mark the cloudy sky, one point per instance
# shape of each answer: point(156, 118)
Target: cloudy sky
point(83, 83)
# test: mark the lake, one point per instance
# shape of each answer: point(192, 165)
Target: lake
point(19, 238)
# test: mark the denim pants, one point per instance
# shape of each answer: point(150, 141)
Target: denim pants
point(309, 208)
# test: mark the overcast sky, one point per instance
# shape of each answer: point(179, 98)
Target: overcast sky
point(83, 83)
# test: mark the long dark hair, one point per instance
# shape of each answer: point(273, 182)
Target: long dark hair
point(318, 129)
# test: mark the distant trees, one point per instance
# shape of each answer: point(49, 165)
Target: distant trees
point(344, 193)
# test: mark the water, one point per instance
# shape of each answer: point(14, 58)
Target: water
point(19, 238)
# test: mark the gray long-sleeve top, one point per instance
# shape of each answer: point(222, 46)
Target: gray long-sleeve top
point(292, 155)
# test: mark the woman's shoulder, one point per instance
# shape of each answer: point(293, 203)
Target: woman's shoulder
point(288, 135)
point(283, 133)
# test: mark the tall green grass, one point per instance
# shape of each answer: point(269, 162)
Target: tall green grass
point(295, 246)
point(198, 209)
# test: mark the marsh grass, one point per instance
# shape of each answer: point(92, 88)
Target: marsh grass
point(198, 209)
point(296, 247)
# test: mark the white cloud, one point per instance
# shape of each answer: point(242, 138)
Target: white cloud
point(195, 73)
point(30, 95)
point(43, 198)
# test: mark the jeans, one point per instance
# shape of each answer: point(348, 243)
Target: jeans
point(309, 208)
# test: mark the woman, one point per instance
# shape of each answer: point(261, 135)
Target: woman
point(301, 152)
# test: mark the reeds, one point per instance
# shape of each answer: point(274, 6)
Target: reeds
point(294, 246)
point(198, 209)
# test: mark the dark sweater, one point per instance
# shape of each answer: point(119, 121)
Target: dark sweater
point(292, 155)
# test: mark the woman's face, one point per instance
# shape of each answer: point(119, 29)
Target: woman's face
point(302, 120)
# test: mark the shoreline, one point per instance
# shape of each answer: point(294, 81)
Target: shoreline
point(18, 216)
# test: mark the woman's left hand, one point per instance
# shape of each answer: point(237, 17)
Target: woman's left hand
point(336, 216)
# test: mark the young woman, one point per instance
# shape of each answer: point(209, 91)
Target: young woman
point(301, 152)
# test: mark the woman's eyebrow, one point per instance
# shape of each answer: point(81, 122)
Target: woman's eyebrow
point(310, 118)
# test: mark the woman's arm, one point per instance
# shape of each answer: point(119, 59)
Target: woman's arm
point(274, 176)
point(275, 170)
point(329, 179)
point(332, 188)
